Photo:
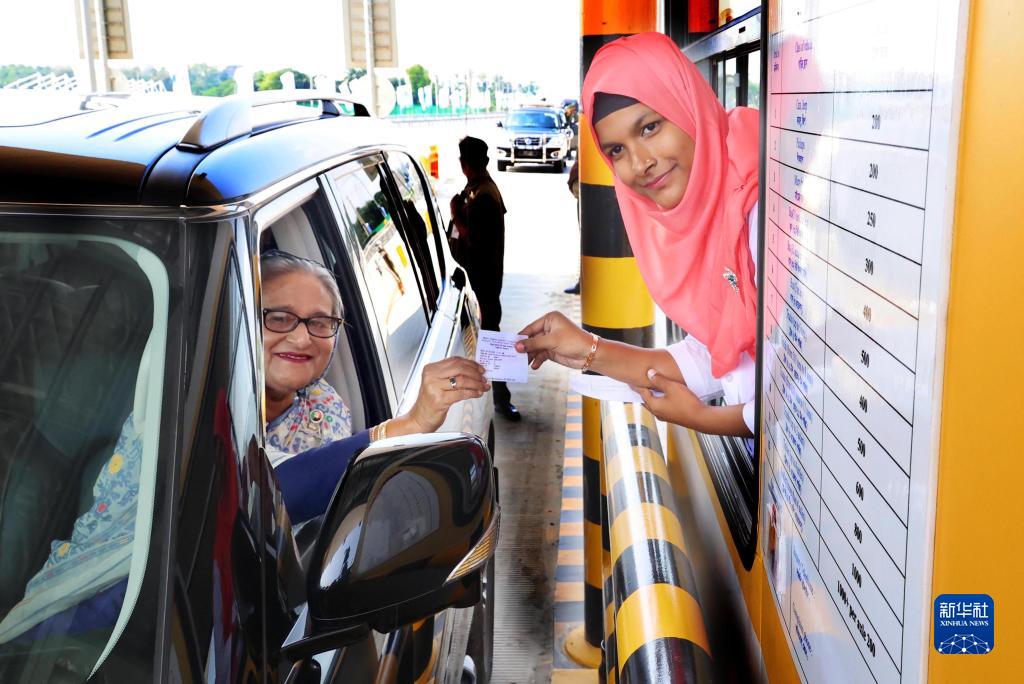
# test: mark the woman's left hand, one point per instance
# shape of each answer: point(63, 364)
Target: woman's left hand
point(438, 393)
point(677, 403)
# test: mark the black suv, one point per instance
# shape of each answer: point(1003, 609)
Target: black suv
point(142, 530)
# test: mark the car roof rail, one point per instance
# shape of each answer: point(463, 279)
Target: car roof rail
point(232, 117)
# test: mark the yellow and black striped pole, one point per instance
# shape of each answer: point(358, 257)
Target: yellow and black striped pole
point(615, 301)
point(659, 631)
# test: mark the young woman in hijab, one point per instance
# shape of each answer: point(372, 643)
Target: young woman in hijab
point(686, 183)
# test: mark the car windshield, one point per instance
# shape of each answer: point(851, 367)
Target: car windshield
point(532, 120)
point(83, 329)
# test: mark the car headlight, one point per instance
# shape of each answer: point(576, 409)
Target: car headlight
point(556, 139)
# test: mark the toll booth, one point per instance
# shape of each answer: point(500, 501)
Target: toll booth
point(865, 534)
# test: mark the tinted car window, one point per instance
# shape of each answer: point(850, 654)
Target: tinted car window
point(532, 120)
point(421, 229)
point(83, 329)
point(387, 266)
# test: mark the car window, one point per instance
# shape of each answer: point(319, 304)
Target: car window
point(83, 330)
point(532, 120)
point(387, 265)
point(421, 226)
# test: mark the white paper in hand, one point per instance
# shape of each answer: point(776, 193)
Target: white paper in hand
point(605, 389)
point(496, 352)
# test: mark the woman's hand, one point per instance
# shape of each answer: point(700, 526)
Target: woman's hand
point(437, 394)
point(554, 337)
point(674, 401)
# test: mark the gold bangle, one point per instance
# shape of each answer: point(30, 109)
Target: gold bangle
point(589, 359)
point(384, 429)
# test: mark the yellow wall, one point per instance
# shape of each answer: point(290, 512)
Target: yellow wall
point(980, 501)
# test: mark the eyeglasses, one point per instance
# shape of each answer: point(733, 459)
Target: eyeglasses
point(285, 322)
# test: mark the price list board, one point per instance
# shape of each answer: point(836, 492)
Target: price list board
point(862, 100)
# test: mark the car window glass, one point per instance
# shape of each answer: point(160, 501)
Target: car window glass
point(421, 229)
point(532, 120)
point(387, 267)
point(83, 330)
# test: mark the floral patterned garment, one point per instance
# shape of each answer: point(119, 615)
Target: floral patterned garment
point(318, 416)
point(98, 554)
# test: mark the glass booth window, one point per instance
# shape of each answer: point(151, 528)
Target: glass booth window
point(83, 325)
point(754, 79)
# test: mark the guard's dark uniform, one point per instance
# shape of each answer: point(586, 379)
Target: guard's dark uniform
point(481, 251)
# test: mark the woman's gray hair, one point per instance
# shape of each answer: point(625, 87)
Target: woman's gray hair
point(275, 263)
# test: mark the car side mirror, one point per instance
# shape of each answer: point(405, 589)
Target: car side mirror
point(500, 125)
point(406, 536)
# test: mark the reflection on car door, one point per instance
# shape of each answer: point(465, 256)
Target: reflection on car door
point(218, 600)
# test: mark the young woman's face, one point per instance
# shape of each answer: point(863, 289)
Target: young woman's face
point(649, 153)
point(295, 359)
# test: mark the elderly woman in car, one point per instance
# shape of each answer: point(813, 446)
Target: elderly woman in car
point(309, 427)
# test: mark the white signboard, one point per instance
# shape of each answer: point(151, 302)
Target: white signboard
point(861, 155)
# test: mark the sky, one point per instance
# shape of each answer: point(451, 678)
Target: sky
point(521, 39)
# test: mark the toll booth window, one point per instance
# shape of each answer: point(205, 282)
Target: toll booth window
point(753, 88)
point(731, 85)
point(736, 79)
point(732, 462)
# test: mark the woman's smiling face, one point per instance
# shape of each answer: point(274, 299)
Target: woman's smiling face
point(649, 153)
point(295, 359)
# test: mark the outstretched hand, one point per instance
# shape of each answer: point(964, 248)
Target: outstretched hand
point(553, 337)
point(437, 392)
point(672, 401)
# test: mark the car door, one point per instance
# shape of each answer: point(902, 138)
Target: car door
point(417, 315)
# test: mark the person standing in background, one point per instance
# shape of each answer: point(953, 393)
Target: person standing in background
point(478, 212)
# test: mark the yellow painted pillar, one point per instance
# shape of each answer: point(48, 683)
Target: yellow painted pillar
point(615, 301)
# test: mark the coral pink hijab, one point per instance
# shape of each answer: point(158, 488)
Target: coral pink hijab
point(695, 258)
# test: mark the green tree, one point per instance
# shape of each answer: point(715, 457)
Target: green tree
point(204, 77)
point(271, 80)
point(418, 77)
point(222, 89)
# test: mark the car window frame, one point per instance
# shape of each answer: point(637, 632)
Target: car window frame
point(434, 213)
point(347, 231)
point(376, 389)
point(394, 197)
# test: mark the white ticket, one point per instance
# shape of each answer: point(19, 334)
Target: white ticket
point(496, 352)
point(605, 388)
